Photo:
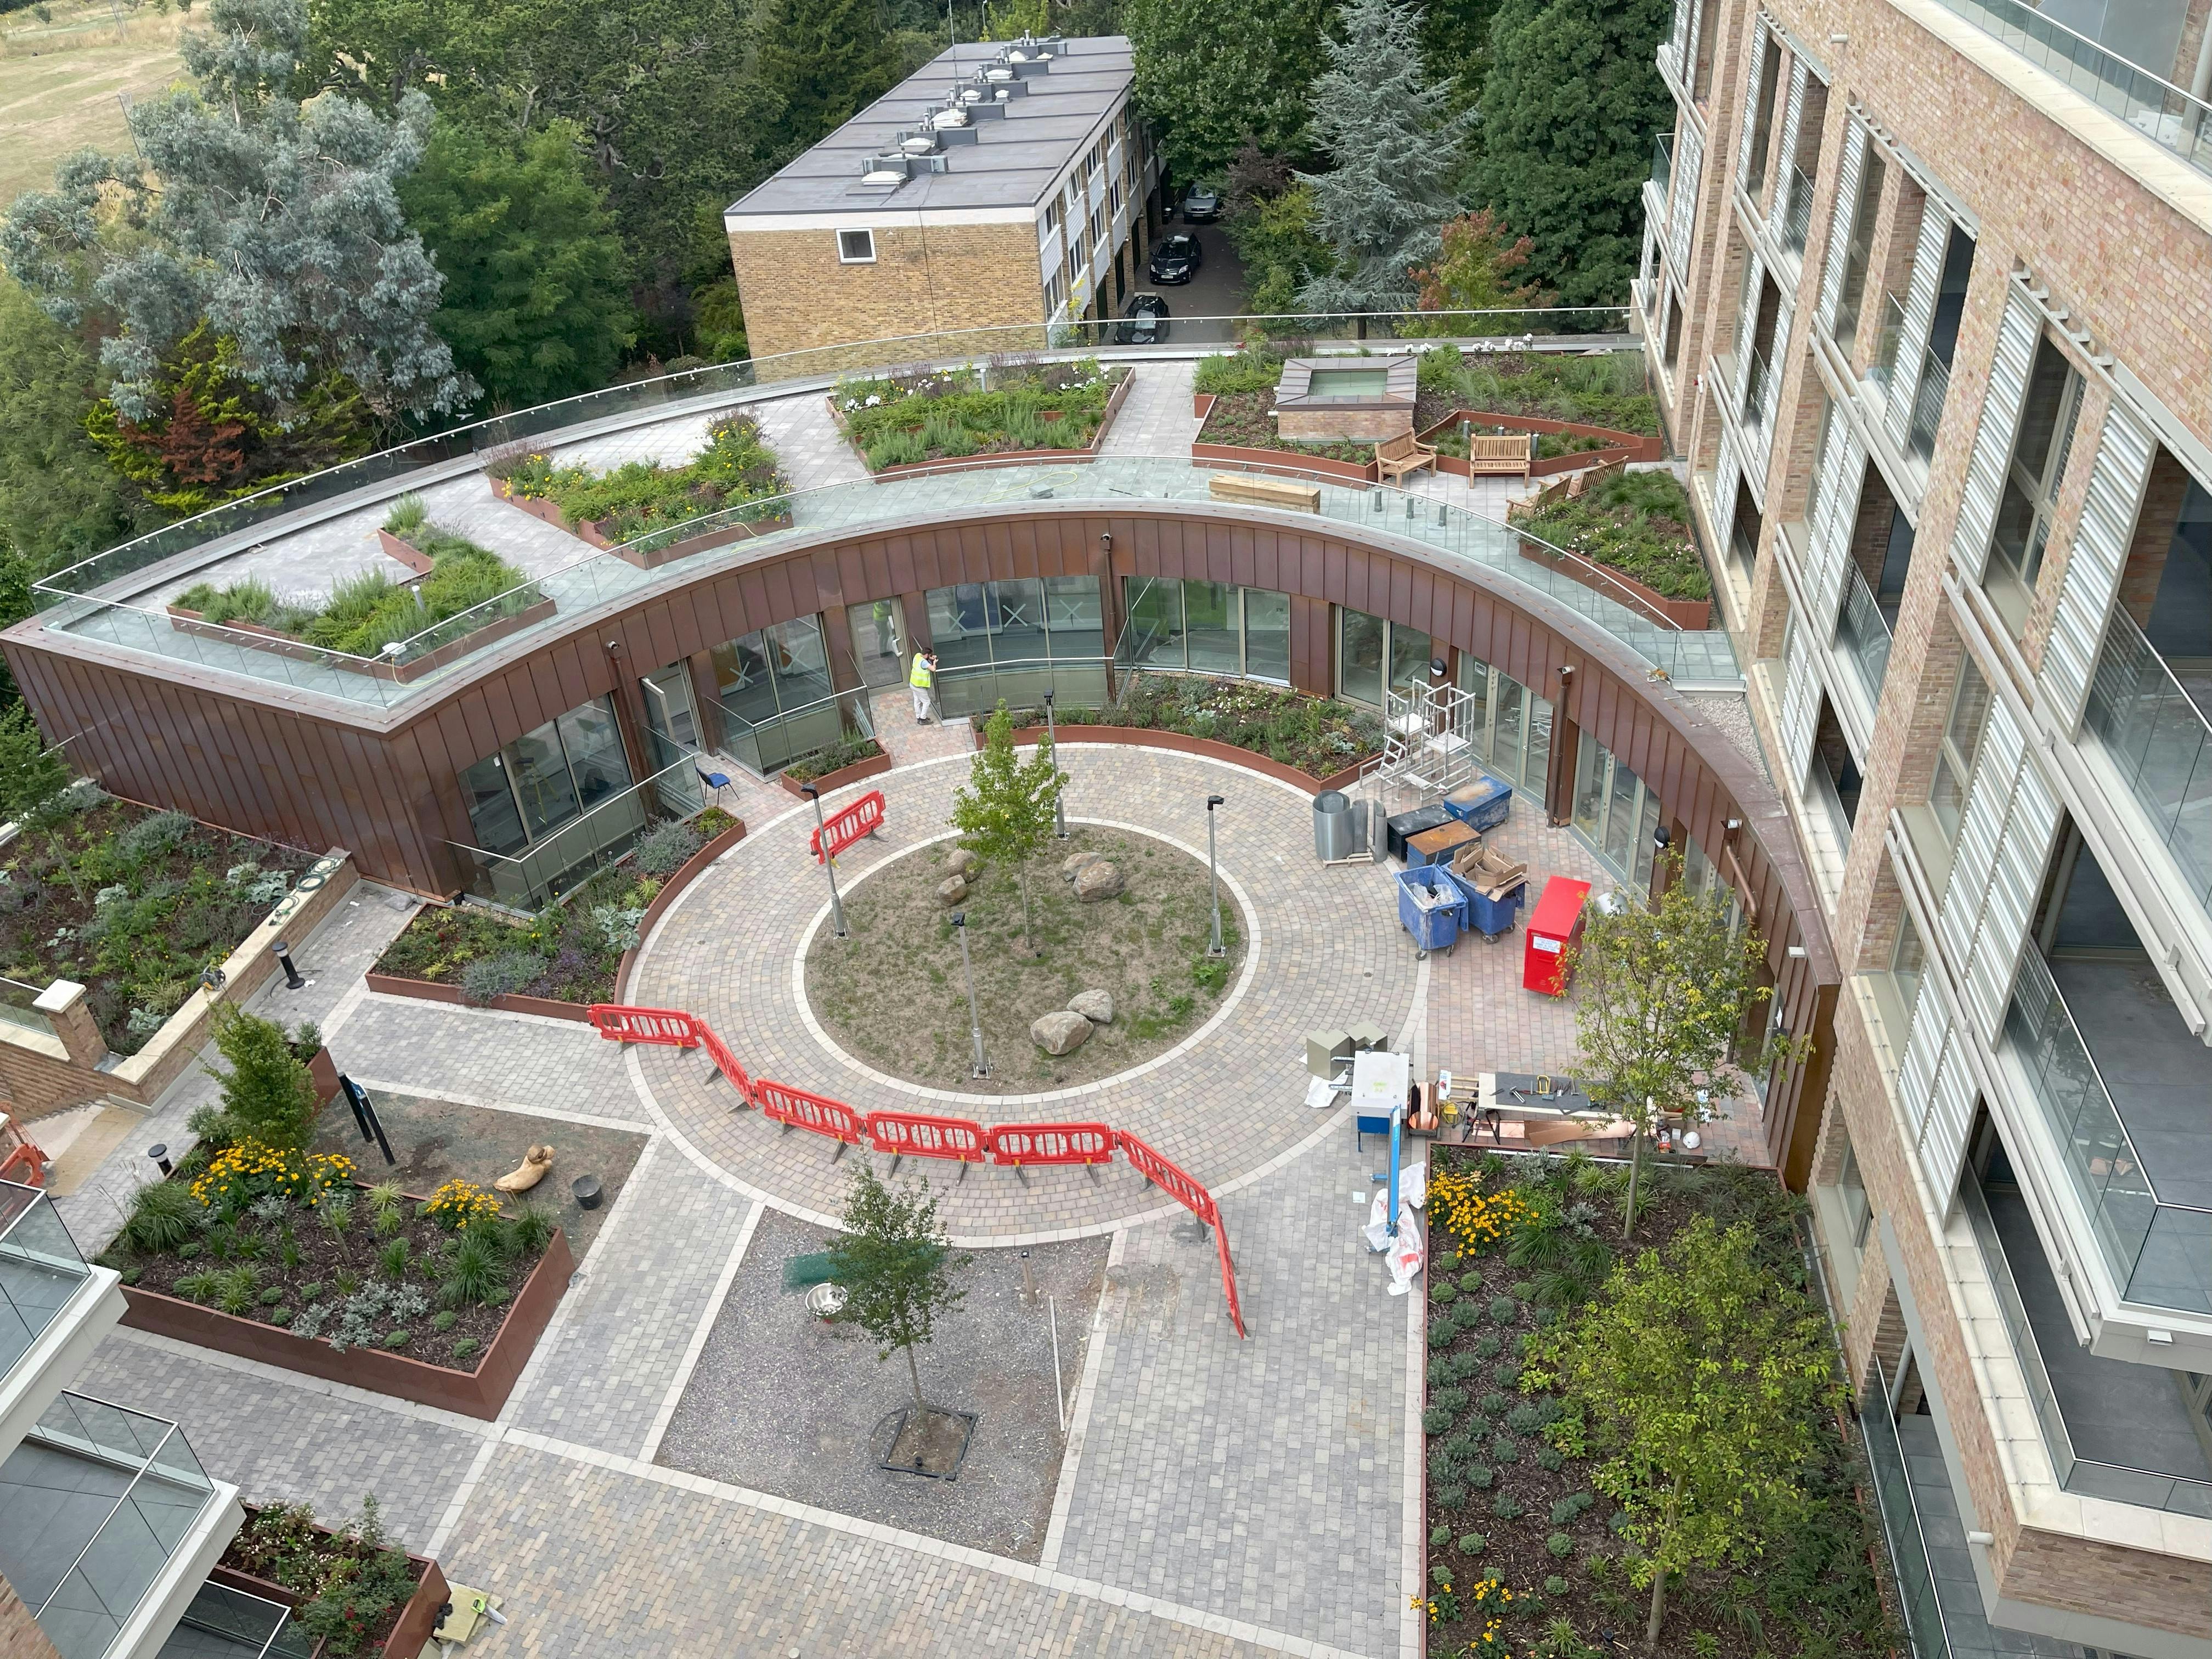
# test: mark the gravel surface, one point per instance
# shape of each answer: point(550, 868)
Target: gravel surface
point(784, 1404)
point(436, 1140)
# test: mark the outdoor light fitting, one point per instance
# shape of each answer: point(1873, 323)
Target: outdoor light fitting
point(1213, 877)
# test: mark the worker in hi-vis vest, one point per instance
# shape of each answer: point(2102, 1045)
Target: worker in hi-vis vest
point(920, 677)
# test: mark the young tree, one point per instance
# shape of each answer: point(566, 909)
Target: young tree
point(1395, 145)
point(268, 1095)
point(536, 304)
point(1663, 992)
point(277, 222)
point(1215, 77)
point(1005, 810)
point(1698, 1381)
point(1470, 275)
point(1568, 112)
point(895, 1266)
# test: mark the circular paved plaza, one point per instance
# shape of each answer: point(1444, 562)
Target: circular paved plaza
point(1225, 1103)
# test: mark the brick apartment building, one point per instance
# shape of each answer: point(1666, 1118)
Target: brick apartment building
point(1000, 186)
point(1928, 285)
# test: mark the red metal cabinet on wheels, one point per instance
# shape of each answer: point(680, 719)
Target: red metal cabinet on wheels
point(1554, 928)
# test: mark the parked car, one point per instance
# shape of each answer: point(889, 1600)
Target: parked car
point(1200, 206)
point(1176, 259)
point(1146, 322)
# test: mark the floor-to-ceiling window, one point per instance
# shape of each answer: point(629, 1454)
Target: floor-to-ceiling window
point(774, 688)
point(1016, 639)
point(1367, 647)
point(1510, 727)
point(1206, 628)
point(1615, 813)
point(551, 806)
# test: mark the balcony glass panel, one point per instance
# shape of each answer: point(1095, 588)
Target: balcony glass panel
point(1932, 387)
point(1662, 160)
point(1901, 1523)
point(93, 1504)
point(1797, 211)
point(566, 859)
point(222, 1623)
point(1864, 635)
point(2157, 732)
point(39, 1269)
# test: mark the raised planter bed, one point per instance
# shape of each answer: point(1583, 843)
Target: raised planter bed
point(1152, 736)
point(1005, 457)
point(829, 782)
point(1286, 461)
point(593, 530)
point(480, 1393)
point(1620, 447)
point(256, 637)
point(425, 990)
point(1695, 615)
point(406, 552)
point(417, 1619)
point(1201, 405)
point(689, 871)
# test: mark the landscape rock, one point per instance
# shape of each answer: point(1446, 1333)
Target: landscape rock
point(952, 890)
point(1096, 1006)
point(1074, 863)
point(1062, 1033)
point(1101, 880)
point(964, 861)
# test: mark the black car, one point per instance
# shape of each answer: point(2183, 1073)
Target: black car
point(1146, 322)
point(1176, 259)
point(1200, 206)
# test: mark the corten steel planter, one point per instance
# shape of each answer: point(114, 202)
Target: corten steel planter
point(1148, 737)
point(417, 1619)
point(406, 552)
point(480, 1393)
point(1629, 446)
point(689, 871)
point(1004, 457)
point(251, 635)
point(593, 530)
point(831, 782)
point(324, 1071)
point(1695, 615)
point(424, 990)
point(1286, 461)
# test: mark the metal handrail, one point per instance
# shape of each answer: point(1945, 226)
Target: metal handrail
point(745, 374)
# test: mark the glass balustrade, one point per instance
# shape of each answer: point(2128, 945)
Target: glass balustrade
point(1863, 634)
point(568, 855)
point(2158, 735)
point(1662, 162)
point(39, 1269)
point(1797, 211)
point(1758, 384)
point(1882, 368)
point(1901, 1523)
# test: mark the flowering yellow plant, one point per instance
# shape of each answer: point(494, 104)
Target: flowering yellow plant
point(1475, 1218)
point(251, 1168)
point(458, 1203)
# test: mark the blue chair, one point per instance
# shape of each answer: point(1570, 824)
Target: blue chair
point(717, 781)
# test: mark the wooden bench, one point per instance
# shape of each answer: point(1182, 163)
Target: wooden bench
point(1496, 456)
point(1257, 489)
point(1394, 458)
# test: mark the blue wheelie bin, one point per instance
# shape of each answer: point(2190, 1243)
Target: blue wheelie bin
point(1492, 915)
point(1434, 918)
point(1482, 803)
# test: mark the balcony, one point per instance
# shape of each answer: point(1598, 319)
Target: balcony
point(2154, 107)
point(1864, 635)
point(107, 1526)
point(2152, 726)
point(222, 1623)
point(2119, 1084)
point(1900, 1480)
point(1757, 384)
point(2115, 1428)
point(54, 1308)
point(1796, 210)
point(1662, 162)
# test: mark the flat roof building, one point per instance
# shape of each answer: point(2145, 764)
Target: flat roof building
point(1002, 185)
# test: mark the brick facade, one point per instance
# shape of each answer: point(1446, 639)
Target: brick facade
point(20, 1635)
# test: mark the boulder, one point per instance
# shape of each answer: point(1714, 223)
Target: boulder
point(952, 890)
point(964, 862)
point(1062, 1033)
point(1074, 863)
point(1101, 880)
point(1096, 1006)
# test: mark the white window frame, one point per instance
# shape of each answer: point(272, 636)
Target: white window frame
point(846, 258)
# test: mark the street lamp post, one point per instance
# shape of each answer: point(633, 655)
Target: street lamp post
point(1213, 877)
point(967, 973)
point(1058, 805)
point(822, 840)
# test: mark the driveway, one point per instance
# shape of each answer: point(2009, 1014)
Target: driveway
point(1218, 290)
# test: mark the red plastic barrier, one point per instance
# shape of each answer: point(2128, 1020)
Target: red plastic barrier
point(863, 817)
point(795, 1108)
point(669, 1027)
point(1186, 1191)
point(917, 1135)
point(1049, 1142)
point(718, 1052)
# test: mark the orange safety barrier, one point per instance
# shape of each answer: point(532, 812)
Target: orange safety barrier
point(669, 1027)
point(1186, 1191)
point(718, 1052)
point(863, 817)
point(795, 1108)
point(1049, 1142)
point(918, 1134)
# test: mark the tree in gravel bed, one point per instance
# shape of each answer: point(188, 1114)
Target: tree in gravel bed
point(896, 1266)
point(268, 1095)
point(1698, 1381)
point(1005, 810)
point(1664, 991)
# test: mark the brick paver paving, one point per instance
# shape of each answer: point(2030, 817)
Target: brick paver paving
point(486, 1057)
point(1325, 950)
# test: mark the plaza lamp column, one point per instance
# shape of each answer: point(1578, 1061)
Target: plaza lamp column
point(1213, 877)
point(828, 864)
point(967, 973)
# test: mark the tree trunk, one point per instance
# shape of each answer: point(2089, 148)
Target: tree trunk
point(1659, 1572)
point(920, 1407)
point(1635, 1168)
point(1029, 929)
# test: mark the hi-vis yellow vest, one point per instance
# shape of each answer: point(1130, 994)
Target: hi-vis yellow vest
point(918, 677)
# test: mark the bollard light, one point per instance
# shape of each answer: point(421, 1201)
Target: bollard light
point(159, 1152)
point(967, 973)
point(283, 955)
point(1213, 876)
point(829, 864)
point(1059, 799)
